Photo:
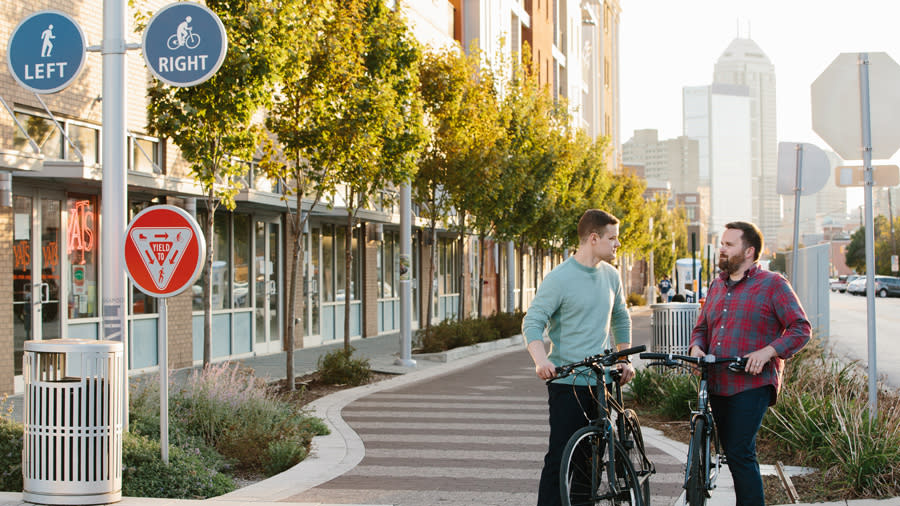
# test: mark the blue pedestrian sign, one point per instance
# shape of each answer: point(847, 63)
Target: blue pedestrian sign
point(184, 44)
point(46, 51)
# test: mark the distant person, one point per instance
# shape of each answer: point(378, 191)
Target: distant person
point(580, 303)
point(754, 313)
point(664, 287)
point(678, 297)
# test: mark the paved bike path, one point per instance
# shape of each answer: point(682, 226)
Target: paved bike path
point(475, 435)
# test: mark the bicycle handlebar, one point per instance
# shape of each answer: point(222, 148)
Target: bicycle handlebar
point(604, 359)
point(735, 364)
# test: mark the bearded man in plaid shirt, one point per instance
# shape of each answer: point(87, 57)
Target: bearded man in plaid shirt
point(754, 313)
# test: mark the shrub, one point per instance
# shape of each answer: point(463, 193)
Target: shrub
point(670, 393)
point(450, 334)
point(187, 476)
point(284, 454)
point(11, 434)
point(507, 324)
point(337, 367)
point(224, 414)
point(635, 299)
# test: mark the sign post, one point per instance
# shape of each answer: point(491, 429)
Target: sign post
point(164, 254)
point(860, 89)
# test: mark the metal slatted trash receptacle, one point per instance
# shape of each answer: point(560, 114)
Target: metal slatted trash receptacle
point(72, 450)
point(672, 324)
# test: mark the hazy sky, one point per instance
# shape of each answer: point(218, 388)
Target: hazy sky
point(668, 44)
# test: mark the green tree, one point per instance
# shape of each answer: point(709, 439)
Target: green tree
point(288, 158)
point(462, 118)
point(212, 123)
point(533, 149)
point(363, 129)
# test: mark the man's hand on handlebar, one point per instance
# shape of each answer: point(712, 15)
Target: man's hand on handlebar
point(545, 369)
point(627, 371)
point(695, 351)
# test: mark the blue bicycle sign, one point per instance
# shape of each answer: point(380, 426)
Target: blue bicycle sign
point(184, 44)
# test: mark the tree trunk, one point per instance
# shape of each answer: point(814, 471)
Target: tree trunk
point(296, 272)
point(461, 263)
point(431, 268)
point(348, 243)
point(207, 282)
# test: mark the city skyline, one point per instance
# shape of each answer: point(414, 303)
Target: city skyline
point(666, 46)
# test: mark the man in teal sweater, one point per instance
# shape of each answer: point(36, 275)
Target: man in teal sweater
point(578, 304)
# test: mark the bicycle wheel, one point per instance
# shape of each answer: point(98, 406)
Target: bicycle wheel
point(583, 475)
point(633, 441)
point(697, 455)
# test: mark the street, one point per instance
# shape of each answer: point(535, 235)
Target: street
point(849, 332)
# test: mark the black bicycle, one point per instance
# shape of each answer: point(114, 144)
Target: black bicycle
point(605, 462)
point(704, 458)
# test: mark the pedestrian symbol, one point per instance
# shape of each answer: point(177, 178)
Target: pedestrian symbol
point(161, 250)
point(46, 52)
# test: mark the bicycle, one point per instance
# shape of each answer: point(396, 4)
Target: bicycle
point(605, 462)
point(191, 40)
point(704, 458)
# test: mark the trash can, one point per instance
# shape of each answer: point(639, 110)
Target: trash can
point(672, 324)
point(72, 451)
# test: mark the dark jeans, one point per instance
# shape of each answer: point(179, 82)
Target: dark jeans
point(566, 417)
point(738, 418)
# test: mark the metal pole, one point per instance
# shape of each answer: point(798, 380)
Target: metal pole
point(870, 230)
point(651, 282)
point(114, 187)
point(798, 148)
point(405, 358)
point(162, 345)
point(510, 277)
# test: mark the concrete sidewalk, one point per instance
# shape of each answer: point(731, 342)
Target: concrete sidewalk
point(342, 450)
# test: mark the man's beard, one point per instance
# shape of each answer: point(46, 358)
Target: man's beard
point(730, 264)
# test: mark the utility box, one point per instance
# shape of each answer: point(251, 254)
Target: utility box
point(672, 325)
point(72, 452)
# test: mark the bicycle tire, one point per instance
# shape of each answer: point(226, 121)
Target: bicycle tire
point(583, 474)
point(696, 492)
point(637, 454)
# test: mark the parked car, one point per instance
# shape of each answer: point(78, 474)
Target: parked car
point(842, 286)
point(887, 286)
point(857, 286)
point(839, 283)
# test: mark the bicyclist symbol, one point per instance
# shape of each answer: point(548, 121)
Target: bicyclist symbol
point(184, 44)
point(183, 36)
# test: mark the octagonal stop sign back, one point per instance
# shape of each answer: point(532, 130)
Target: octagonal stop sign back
point(837, 111)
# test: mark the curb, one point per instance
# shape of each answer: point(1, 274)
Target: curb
point(467, 351)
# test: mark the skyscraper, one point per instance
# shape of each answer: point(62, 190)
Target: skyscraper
point(744, 63)
point(718, 117)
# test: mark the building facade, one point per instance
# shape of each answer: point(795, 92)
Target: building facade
point(50, 150)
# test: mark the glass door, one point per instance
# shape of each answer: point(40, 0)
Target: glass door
point(37, 232)
point(267, 299)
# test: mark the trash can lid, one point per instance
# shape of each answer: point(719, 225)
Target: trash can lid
point(73, 345)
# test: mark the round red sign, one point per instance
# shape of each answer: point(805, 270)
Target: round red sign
point(164, 250)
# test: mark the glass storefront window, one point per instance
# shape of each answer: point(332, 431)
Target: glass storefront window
point(241, 273)
point(221, 290)
point(328, 263)
point(82, 243)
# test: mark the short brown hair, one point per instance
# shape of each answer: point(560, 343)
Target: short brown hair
point(751, 236)
point(594, 221)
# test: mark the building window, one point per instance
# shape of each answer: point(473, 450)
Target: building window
point(144, 155)
point(83, 139)
point(81, 247)
point(43, 132)
point(87, 141)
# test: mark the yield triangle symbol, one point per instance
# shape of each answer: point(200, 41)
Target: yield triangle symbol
point(161, 250)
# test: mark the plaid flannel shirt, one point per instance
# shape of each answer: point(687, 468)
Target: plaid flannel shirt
point(740, 317)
